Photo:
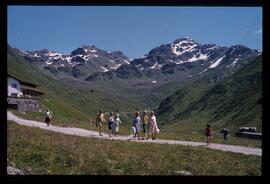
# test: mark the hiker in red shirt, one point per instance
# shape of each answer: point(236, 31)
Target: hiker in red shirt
point(208, 133)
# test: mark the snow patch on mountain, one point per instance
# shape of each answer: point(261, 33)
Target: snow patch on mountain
point(23, 51)
point(213, 47)
point(115, 67)
point(126, 61)
point(179, 62)
point(68, 59)
point(176, 48)
point(92, 50)
point(234, 62)
point(156, 66)
point(52, 54)
point(215, 64)
point(36, 55)
point(74, 64)
point(48, 63)
point(203, 71)
point(89, 56)
point(201, 57)
point(104, 69)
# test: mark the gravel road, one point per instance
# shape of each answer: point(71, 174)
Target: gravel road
point(94, 134)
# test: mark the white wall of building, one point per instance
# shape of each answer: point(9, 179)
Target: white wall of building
point(14, 87)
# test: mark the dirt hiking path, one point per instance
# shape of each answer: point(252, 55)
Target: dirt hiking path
point(94, 134)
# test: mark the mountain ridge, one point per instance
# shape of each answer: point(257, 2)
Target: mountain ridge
point(182, 50)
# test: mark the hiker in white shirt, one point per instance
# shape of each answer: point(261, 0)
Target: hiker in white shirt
point(153, 125)
point(116, 124)
point(48, 117)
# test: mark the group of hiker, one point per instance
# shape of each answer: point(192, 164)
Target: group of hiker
point(113, 123)
point(147, 124)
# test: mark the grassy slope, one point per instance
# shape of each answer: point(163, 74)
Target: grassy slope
point(72, 102)
point(180, 100)
point(54, 153)
point(232, 103)
point(235, 101)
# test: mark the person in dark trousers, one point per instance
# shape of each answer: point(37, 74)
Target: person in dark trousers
point(110, 124)
point(225, 133)
point(48, 117)
point(208, 133)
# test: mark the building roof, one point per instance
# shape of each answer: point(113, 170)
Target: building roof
point(27, 85)
point(23, 82)
point(31, 89)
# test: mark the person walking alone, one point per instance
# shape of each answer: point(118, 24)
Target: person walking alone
point(48, 117)
point(208, 133)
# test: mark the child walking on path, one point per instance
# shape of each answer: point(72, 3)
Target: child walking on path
point(153, 125)
point(208, 133)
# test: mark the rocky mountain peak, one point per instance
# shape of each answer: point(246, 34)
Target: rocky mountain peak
point(184, 55)
point(182, 40)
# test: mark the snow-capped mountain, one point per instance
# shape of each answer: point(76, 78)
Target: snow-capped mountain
point(186, 50)
point(182, 59)
point(99, 59)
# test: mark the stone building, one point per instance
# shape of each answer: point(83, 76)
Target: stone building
point(22, 95)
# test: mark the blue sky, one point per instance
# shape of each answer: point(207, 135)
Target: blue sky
point(133, 30)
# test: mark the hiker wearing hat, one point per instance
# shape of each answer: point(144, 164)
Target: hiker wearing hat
point(145, 120)
point(137, 124)
point(208, 133)
point(153, 125)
